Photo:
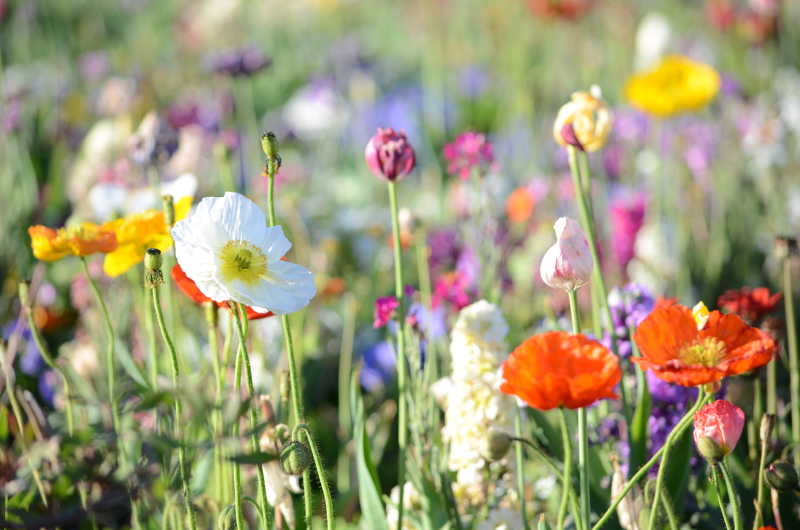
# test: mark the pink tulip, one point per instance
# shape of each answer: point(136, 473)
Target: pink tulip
point(717, 428)
point(389, 155)
point(568, 263)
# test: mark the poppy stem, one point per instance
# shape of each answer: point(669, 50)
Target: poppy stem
point(240, 314)
point(519, 457)
point(110, 351)
point(732, 496)
point(566, 480)
point(597, 277)
point(178, 407)
point(718, 486)
point(48, 358)
point(402, 420)
point(791, 342)
point(583, 440)
point(273, 163)
point(759, 519)
point(676, 432)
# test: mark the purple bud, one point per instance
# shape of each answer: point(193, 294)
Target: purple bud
point(389, 155)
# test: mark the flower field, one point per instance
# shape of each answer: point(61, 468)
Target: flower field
point(423, 265)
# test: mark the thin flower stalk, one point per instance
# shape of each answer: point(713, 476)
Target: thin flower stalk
point(718, 487)
point(110, 351)
point(597, 277)
point(676, 432)
point(794, 364)
point(732, 495)
point(566, 480)
point(178, 407)
point(583, 440)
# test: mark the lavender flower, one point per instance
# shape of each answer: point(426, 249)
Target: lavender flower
point(241, 62)
point(629, 305)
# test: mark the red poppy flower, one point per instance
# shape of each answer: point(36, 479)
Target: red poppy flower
point(678, 352)
point(560, 369)
point(190, 289)
point(750, 304)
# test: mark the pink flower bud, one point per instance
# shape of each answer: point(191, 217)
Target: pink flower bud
point(389, 155)
point(717, 428)
point(567, 264)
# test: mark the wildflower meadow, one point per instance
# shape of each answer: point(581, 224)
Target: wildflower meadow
point(399, 265)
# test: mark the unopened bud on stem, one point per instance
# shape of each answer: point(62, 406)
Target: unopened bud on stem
point(153, 276)
point(168, 206)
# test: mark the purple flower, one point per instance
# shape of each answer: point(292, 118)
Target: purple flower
point(241, 62)
point(669, 393)
point(469, 152)
point(430, 323)
point(377, 369)
point(629, 306)
point(48, 386)
point(384, 309)
point(444, 248)
point(627, 211)
point(31, 361)
point(389, 154)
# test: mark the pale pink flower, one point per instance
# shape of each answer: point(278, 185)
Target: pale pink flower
point(717, 428)
point(568, 263)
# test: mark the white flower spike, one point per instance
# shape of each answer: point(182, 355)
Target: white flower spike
point(227, 249)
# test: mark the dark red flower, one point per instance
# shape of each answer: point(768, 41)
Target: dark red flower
point(750, 304)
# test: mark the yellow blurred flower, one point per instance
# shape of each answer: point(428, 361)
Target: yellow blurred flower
point(676, 84)
point(49, 244)
point(589, 117)
point(136, 233)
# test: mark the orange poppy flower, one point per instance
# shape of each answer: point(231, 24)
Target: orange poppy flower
point(190, 289)
point(750, 304)
point(520, 205)
point(560, 369)
point(50, 244)
point(678, 352)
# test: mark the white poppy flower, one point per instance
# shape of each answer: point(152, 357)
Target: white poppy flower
point(226, 247)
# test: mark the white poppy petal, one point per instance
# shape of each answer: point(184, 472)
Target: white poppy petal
point(289, 289)
point(275, 243)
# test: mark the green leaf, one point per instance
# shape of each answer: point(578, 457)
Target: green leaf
point(130, 366)
point(639, 422)
point(676, 476)
point(373, 515)
point(256, 458)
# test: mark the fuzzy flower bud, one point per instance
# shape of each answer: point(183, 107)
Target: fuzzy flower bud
point(782, 476)
point(496, 444)
point(583, 122)
point(568, 263)
point(717, 428)
point(269, 145)
point(295, 458)
point(168, 206)
point(153, 276)
point(389, 155)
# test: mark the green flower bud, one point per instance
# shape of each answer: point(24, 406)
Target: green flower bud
point(295, 458)
point(269, 144)
point(709, 448)
point(496, 445)
point(153, 276)
point(168, 206)
point(782, 476)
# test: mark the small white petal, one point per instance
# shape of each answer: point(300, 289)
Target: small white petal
point(275, 243)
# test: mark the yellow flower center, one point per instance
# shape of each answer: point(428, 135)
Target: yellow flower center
point(243, 261)
point(705, 352)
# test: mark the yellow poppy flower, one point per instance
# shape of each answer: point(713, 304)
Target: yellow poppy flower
point(677, 84)
point(49, 244)
point(136, 233)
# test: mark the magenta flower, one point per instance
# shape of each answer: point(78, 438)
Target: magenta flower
point(469, 152)
point(384, 309)
point(627, 217)
point(452, 288)
point(389, 155)
point(717, 428)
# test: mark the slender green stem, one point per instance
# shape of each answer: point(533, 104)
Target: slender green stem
point(178, 406)
point(12, 398)
point(294, 384)
point(566, 481)
point(240, 315)
point(520, 469)
point(237, 471)
point(150, 330)
point(759, 519)
point(677, 431)
point(718, 486)
point(44, 350)
point(597, 276)
point(583, 440)
point(402, 427)
point(110, 351)
point(794, 366)
point(755, 421)
point(733, 496)
point(219, 454)
point(326, 492)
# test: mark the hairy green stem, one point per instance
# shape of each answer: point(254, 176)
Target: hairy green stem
point(178, 407)
point(791, 342)
point(566, 481)
point(583, 440)
point(732, 495)
point(759, 519)
point(676, 432)
point(520, 469)
point(110, 351)
point(718, 487)
point(240, 313)
point(326, 493)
